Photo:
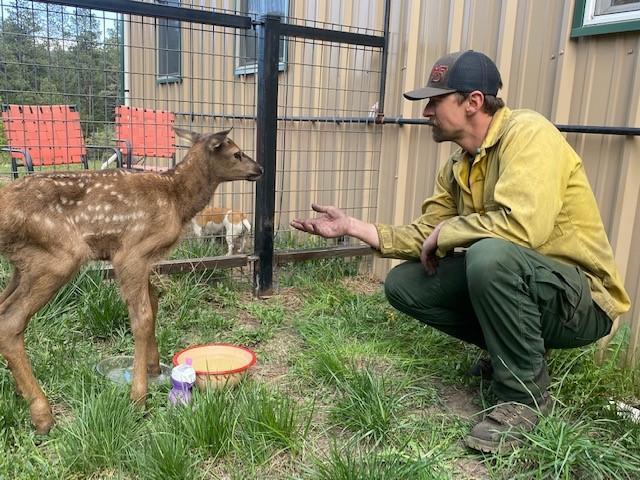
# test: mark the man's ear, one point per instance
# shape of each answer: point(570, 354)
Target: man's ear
point(475, 101)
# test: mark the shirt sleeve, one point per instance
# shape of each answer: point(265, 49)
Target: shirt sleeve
point(534, 172)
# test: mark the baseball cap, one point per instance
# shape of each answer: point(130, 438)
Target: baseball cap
point(460, 72)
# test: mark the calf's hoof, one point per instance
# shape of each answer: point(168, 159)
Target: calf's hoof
point(41, 416)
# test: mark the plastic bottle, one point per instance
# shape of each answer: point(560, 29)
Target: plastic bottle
point(183, 377)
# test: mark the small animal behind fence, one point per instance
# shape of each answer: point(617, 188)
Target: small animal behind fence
point(51, 224)
point(218, 221)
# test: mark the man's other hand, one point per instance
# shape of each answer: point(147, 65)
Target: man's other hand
point(428, 256)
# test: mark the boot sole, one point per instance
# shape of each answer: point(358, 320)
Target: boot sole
point(486, 446)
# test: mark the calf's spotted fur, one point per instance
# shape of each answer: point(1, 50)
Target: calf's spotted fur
point(51, 224)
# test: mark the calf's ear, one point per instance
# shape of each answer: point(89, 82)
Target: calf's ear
point(218, 138)
point(188, 135)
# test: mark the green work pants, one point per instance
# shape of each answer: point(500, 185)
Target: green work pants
point(509, 300)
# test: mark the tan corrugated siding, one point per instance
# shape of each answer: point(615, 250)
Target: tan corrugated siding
point(586, 81)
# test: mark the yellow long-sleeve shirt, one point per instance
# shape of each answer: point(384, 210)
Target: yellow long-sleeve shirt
point(526, 185)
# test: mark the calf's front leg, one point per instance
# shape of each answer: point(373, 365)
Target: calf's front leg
point(133, 276)
point(153, 356)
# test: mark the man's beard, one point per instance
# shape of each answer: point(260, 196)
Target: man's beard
point(440, 135)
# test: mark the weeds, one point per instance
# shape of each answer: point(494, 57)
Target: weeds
point(101, 309)
point(164, 456)
point(353, 464)
point(210, 425)
point(566, 448)
point(273, 420)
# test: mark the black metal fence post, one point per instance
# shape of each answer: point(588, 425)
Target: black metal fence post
point(267, 53)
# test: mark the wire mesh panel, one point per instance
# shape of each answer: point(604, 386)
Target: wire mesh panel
point(188, 70)
point(127, 79)
point(328, 145)
point(131, 75)
point(57, 59)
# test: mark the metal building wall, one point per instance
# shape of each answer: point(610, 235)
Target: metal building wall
point(585, 81)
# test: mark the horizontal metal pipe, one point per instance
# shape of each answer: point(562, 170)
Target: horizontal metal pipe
point(335, 36)
point(231, 261)
point(595, 129)
point(287, 256)
point(190, 265)
point(160, 11)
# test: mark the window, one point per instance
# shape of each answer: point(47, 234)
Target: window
point(595, 17)
point(246, 42)
point(169, 47)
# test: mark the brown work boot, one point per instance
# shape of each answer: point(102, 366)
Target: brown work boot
point(503, 428)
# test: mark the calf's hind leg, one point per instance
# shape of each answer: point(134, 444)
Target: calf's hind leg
point(11, 286)
point(153, 356)
point(31, 291)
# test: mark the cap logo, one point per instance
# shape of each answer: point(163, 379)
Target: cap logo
point(438, 72)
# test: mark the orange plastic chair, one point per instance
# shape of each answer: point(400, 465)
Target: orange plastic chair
point(146, 134)
point(44, 135)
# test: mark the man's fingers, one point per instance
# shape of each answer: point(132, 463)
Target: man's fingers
point(319, 208)
point(432, 265)
point(297, 224)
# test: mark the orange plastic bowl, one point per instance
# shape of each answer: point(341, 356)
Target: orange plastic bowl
point(217, 364)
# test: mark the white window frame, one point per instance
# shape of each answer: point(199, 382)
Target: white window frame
point(602, 12)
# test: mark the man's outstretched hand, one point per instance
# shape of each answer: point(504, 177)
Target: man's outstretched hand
point(331, 224)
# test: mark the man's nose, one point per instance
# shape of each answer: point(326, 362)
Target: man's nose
point(428, 110)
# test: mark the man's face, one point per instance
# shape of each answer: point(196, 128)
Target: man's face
point(448, 117)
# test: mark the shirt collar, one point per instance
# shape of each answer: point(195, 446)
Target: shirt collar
point(496, 129)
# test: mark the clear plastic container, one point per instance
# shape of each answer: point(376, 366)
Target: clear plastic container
point(119, 369)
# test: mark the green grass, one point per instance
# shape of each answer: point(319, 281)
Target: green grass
point(345, 388)
point(164, 455)
point(210, 425)
point(353, 464)
point(100, 436)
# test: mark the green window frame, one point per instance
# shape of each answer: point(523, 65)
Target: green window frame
point(598, 17)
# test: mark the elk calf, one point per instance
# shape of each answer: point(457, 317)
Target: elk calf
point(51, 224)
point(219, 220)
